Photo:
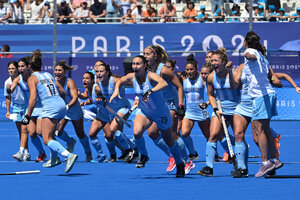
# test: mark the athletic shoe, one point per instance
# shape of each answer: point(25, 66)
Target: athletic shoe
point(241, 173)
point(206, 171)
point(225, 157)
point(128, 155)
point(180, 173)
point(71, 146)
point(194, 157)
point(52, 162)
point(41, 157)
point(122, 156)
point(19, 156)
point(26, 157)
point(278, 164)
point(70, 162)
point(271, 173)
point(99, 159)
point(230, 160)
point(264, 169)
point(171, 165)
point(113, 158)
point(189, 166)
point(88, 157)
point(216, 158)
point(135, 156)
point(142, 161)
point(277, 144)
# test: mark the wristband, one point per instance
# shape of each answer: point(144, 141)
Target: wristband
point(215, 110)
point(136, 98)
point(67, 107)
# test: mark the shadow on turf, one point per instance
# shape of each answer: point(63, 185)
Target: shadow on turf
point(72, 174)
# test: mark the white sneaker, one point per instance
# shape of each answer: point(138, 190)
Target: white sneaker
point(52, 162)
point(71, 146)
point(19, 156)
point(26, 157)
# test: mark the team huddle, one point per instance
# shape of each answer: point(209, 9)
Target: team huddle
point(167, 106)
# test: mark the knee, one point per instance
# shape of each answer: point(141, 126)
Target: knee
point(239, 136)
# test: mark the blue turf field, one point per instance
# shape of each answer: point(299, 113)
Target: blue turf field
point(124, 181)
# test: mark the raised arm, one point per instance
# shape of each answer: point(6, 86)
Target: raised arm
point(125, 80)
point(289, 79)
point(273, 79)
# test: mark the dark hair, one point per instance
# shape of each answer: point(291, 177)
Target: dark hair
point(36, 60)
point(252, 40)
point(222, 53)
point(25, 60)
point(190, 60)
point(13, 63)
point(64, 65)
point(6, 48)
point(142, 57)
point(172, 62)
point(91, 75)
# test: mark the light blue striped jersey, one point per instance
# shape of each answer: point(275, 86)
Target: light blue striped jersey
point(193, 91)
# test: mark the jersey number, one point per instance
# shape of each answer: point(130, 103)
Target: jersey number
point(51, 89)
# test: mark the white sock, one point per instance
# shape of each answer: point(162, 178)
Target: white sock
point(265, 162)
point(22, 149)
point(26, 151)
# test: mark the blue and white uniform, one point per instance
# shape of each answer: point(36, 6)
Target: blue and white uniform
point(244, 108)
point(53, 106)
point(75, 112)
point(229, 98)
point(156, 108)
point(194, 95)
point(260, 89)
point(37, 111)
point(170, 93)
point(17, 99)
point(118, 105)
point(102, 114)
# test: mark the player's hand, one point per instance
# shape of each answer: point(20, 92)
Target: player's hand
point(26, 120)
point(146, 95)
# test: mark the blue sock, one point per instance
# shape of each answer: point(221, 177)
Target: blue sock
point(110, 146)
point(175, 150)
point(65, 137)
point(160, 143)
point(140, 143)
point(53, 154)
point(183, 151)
point(97, 145)
point(129, 141)
point(56, 146)
point(188, 141)
point(121, 140)
point(225, 145)
point(211, 148)
point(86, 144)
point(37, 144)
point(274, 133)
point(240, 152)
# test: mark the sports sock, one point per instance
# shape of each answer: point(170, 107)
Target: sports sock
point(121, 140)
point(97, 145)
point(65, 137)
point(56, 146)
point(129, 141)
point(110, 146)
point(240, 152)
point(225, 145)
point(160, 143)
point(188, 141)
point(211, 148)
point(183, 151)
point(26, 151)
point(22, 149)
point(53, 154)
point(37, 144)
point(140, 143)
point(175, 150)
point(86, 145)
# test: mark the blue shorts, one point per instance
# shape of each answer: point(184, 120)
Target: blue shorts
point(264, 107)
point(102, 114)
point(55, 110)
point(163, 120)
point(20, 110)
point(244, 109)
point(196, 114)
point(74, 113)
point(172, 104)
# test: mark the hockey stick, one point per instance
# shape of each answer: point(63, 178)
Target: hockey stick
point(117, 116)
point(126, 116)
point(231, 153)
point(21, 172)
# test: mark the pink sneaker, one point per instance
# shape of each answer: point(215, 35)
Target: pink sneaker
point(189, 166)
point(172, 164)
point(278, 164)
point(264, 169)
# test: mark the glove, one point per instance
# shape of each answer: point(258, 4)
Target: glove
point(181, 111)
point(26, 120)
point(8, 90)
point(146, 95)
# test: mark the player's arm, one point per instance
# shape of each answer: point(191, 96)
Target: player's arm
point(32, 83)
point(273, 79)
point(289, 79)
point(73, 91)
point(125, 80)
point(61, 90)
